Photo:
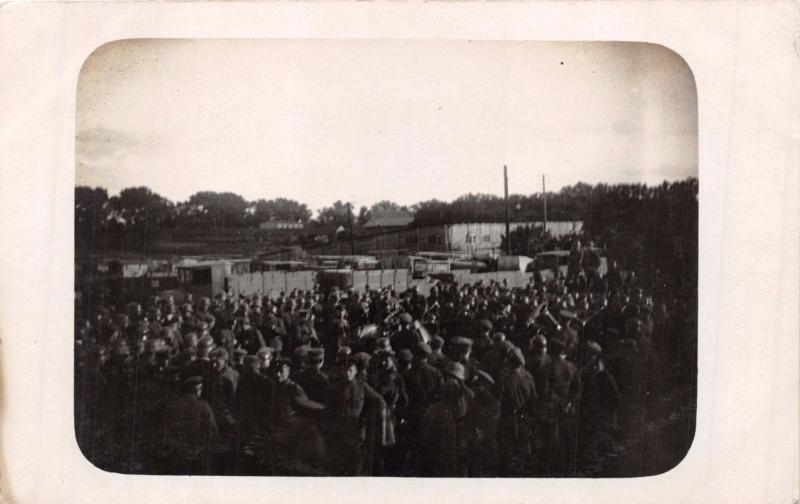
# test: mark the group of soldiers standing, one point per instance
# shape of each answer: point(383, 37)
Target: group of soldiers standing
point(466, 380)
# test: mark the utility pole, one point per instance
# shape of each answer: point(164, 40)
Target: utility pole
point(350, 222)
point(544, 197)
point(508, 223)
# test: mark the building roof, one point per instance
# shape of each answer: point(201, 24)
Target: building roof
point(393, 219)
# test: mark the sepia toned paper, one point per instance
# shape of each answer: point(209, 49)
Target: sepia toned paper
point(745, 64)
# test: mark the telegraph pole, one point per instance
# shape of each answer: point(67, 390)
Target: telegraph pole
point(544, 197)
point(508, 223)
point(350, 222)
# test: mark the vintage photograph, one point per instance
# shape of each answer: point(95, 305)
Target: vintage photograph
point(401, 258)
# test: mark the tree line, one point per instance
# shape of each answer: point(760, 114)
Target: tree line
point(638, 220)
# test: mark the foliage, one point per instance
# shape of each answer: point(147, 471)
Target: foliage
point(649, 228)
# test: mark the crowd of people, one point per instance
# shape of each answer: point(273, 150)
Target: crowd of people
point(473, 380)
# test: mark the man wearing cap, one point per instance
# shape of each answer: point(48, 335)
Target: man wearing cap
point(265, 356)
point(338, 330)
point(203, 314)
point(312, 379)
point(483, 341)
point(481, 426)
point(154, 387)
point(223, 388)
point(237, 363)
point(437, 358)
point(190, 431)
point(561, 389)
point(494, 359)
point(441, 434)
point(291, 438)
point(362, 360)
point(537, 359)
point(201, 365)
point(407, 337)
point(303, 331)
point(600, 401)
point(272, 324)
point(423, 383)
point(345, 434)
point(252, 401)
point(518, 398)
point(404, 358)
point(249, 337)
point(462, 353)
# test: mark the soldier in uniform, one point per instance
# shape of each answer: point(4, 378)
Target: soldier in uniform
point(537, 359)
point(254, 396)
point(313, 380)
point(483, 341)
point(437, 358)
point(190, 431)
point(518, 399)
point(407, 337)
point(462, 353)
point(494, 359)
point(345, 436)
point(561, 389)
point(284, 444)
point(442, 433)
point(250, 338)
point(481, 427)
point(201, 365)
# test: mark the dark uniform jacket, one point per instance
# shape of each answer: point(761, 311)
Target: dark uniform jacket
point(190, 429)
point(423, 382)
point(315, 383)
point(254, 395)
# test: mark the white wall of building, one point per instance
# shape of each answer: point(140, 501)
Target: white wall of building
point(488, 236)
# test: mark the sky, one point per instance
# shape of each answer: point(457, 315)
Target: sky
point(364, 120)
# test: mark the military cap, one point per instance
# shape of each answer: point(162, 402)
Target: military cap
point(219, 353)
point(593, 348)
point(406, 318)
point(456, 370)
point(383, 344)
point(344, 351)
point(362, 359)
point(301, 351)
point(498, 337)
point(382, 353)
point(506, 345)
point(422, 349)
point(437, 342)
point(483, 375)
point(315, 355)
point(405, 355)
point(515, 356)
point(192, 381)
point(461, 343)
point(486, 324)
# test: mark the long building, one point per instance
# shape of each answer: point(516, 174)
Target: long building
point(473, 238)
